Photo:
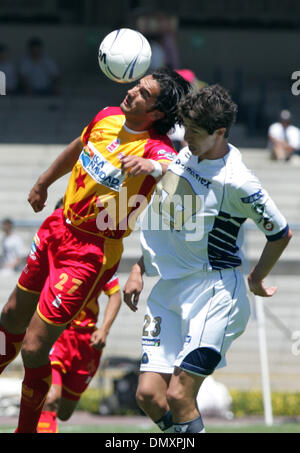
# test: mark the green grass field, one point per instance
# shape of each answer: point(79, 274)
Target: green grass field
point(276, 428)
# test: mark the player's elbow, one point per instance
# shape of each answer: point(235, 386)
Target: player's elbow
point(289, 236)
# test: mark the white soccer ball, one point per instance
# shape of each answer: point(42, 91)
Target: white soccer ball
point(124, 55)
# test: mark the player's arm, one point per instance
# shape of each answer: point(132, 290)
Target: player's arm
point(60, 167)
point(252, 201)
point(98, 338)
point(134, 285)
point(136, 165)
point(155, 160)
point(269, 257)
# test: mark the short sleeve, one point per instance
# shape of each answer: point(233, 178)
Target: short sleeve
point(253, 201)
point(112, 286)
point(160, 150)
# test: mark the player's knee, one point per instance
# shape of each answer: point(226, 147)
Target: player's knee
point(9, 316)
point(32, 352)
point(146, 396)
point(175, 397)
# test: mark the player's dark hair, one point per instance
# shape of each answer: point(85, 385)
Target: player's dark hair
point(211, 108)
point(173, 88)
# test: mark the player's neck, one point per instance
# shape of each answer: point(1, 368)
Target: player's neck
point(217, 152)
point(135, 127)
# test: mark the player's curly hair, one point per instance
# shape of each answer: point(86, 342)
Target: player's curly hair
point(173, 88)
point(211, 108)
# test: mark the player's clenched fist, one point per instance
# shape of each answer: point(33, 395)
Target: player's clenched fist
point(136, 165)
point(37, 197)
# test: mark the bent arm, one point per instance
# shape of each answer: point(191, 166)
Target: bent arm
point(60, 167)
point(98, 339)
point(134, 285)
point(269, 257)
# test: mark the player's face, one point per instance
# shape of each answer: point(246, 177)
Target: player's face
point(200, 142)
point(141, 99)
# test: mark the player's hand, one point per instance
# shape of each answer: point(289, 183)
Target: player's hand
point(135, 165)
point(37, 197)
point(259, 289)
point(133, 289)
point(98, 339)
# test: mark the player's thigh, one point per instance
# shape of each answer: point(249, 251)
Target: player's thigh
point(161, 335)
point(19, 309)
point(219, 316)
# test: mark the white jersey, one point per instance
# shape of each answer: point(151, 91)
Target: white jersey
point(195, 219)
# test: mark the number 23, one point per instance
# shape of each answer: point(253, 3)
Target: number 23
point(147, 321)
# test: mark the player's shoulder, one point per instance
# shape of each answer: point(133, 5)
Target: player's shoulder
point(108, 111)
point(156, 139)
point(237, 172)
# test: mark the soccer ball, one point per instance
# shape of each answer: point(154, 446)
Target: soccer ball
point(124, 55)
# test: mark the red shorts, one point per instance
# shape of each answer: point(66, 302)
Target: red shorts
point(68, 268)
point(74, 362)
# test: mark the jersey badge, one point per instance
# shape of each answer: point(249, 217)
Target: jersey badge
point(113, 145)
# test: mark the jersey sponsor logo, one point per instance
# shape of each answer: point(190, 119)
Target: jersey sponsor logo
point(145, 358)
point(34, 245)
point(259, 209)
point(57, 301)
point(113, 145)
point(166, 154)
point(100, 169)
point(252, 198)
point(187, 339)
point(150, 342)
point(205, 182)
point(268, 225)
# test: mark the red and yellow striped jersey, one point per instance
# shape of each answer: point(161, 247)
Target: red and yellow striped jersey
point(100, 199)
point(88, 317)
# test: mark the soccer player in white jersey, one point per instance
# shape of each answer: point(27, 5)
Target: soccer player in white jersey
point(199, 305)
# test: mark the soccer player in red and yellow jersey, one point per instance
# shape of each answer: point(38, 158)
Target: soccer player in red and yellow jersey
point(75, 358)
point(114, 167)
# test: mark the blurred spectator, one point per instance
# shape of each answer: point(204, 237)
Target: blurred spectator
point(13, 250)
point(284, 138)
point(148, 25)
point(168, 26)
point(160, 30)
point(39, 73)
point(9, 69)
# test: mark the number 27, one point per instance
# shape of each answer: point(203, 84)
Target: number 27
point(63, 278)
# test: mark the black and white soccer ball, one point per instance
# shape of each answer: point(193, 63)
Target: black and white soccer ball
point(124, 55)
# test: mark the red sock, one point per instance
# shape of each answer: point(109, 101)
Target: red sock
point(47, 422)
point(35, 386)
point(10, 345)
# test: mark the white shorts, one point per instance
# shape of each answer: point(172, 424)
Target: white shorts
point(204, 310)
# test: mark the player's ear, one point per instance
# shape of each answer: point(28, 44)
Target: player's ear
point(156, 115)
point(221, 131)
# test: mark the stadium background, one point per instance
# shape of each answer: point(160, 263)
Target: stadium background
point(250, 48)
